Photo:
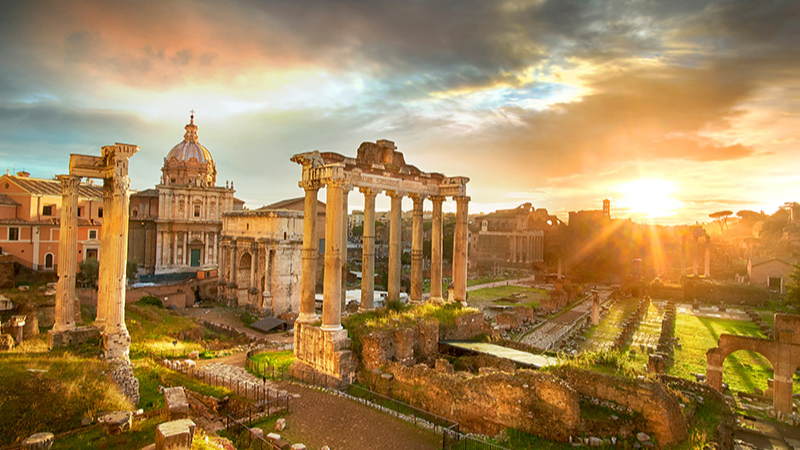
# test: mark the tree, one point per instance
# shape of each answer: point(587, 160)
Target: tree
point(721, 217)
point(793, 287)
point(87, 272)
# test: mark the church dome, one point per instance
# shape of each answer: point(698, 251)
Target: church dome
point(189, 162)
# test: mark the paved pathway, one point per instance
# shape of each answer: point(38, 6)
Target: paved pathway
point(554, 329)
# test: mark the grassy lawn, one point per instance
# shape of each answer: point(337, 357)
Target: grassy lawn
point(52, 391)
point(279, 360)
point(597, 337)
point(142, 433)
point(506, 295)
point(742, 370)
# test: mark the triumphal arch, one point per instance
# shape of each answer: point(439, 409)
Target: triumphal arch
point(377, 168)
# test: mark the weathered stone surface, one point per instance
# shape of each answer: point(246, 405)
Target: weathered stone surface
point(280, 424)
point(298, 447)
point(194, 354)
point(509, 320)
point(443, 365)
point(71, 337)
point(122, 374)
point(642, 436)
point(650, 398)
point(534, 402)
point(325, 352)
point(175, 435)
point(256, 433)
point(176, 403)
point(117, 422)
point(466, 327)
point(38, 441)
point(6, 342)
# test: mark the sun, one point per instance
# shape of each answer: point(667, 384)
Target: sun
point(649, 197)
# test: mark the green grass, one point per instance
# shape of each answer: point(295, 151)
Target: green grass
point(279, 360)
point(743, 370)
point(495, 278)
point(53, 392)
point(142, 433)
point(506, 295)
point(610, 324)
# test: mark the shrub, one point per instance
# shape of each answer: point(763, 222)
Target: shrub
point(151, 300)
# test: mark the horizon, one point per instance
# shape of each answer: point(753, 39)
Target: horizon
point(672, 111)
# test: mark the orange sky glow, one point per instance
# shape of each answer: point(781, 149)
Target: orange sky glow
point(672, 110)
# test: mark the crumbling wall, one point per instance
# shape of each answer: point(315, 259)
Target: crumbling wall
point(467, 327)
point(650, 398)
point(6, 272)
point(407, 345)
point(533, 402)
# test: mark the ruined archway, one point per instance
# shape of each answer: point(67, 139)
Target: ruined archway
point(747, 370)
point(243, 270)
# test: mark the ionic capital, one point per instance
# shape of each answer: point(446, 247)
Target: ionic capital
point(369, 192)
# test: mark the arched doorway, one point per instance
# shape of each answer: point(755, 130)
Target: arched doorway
point(48, 261)
point(243, 271)
point(746, 371)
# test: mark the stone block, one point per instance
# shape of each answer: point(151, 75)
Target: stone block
point(6, 342)
point(298, 447)
point(280, 424)
point(256, 433)
point(176, 402)
point(273, 437)
point(38, 441)
point(117, 422)
point(194, 355)
point(175, 435)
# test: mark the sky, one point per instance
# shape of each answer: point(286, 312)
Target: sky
point(671, 109)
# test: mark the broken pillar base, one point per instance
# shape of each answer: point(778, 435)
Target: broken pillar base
point(75, 336)
point(116, 345)
point(38, 441)
point(323, 357)
point(175, 435)
point(176, 402)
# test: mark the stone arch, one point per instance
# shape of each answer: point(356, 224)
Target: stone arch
point(729, 344)
point(243, 269)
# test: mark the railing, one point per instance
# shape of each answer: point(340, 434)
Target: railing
point(253, 442)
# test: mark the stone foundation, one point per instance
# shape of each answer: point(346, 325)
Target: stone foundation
point(71, 337)
point(175, 435)
point(116, 345)
point(324, 352)
point(122, 374)
point(467, 327)
point(534, 402)
point(408, 346)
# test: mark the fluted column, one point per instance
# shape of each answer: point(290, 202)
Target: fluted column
point(253, 262)
point(332, 295)
point(104, 277)
point(310, 255)
point(368, 252)
point(436, 249)
point(116, 341)
point(173, 260)
point(223, 265)
point(345, 230)
point(460, 249)
point(185, 248)
point(395, 245)
point(67, 254)
point(415, 294)
point(233, 282)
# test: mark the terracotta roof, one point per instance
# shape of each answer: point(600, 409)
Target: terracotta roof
point(40, 186)
point(284, 203)
point(6, 200)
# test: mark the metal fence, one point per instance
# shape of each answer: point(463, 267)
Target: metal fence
point(245, 437)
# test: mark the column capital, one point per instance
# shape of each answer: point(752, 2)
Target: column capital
point(69, 181)
point(310, 185)
point(394, 194)
point(369, 192)
point(437, 198)
point(417, 198)
point(462, 198)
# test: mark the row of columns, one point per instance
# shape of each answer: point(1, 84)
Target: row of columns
point(524, 248)
point(113, 257)
point(170, 206)
point(695, 255)
point(336, 250)
point(168, 243)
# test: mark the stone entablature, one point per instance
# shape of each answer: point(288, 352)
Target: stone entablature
point(261, 257)
point(377, 168)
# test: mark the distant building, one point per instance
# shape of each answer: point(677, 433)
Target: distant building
point(30, 212)
point(771, 273)
point(514, 237)
point(175, 228)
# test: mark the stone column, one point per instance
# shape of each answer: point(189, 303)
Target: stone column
point(695, 251)
point(185, 248)
point(159, 243)
point(460, 249)
point(368, 252)
point(683, 255)
point(332, 295)
point(233, 282)
point(395, 245)
point(513, 244)
point(345, 230)
point(104, 277)
point(707, 265)
point(595, 308)
point(310, 254)
point(116, 341)
point(253, 262)
point(436, 249)
point(67, 254)
point(415, 295)
point(223, 266)
point(267, 273)
point(173, 260)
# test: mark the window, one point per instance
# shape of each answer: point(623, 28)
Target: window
point(47, 210)
point(100, 212)
point(197, 210)
point(13, 233)
point(80, 212)
point(92, 234)
point(135, 212)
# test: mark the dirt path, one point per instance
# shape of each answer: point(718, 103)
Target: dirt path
point(223, 316)
point(318, 418)
point(515, 282)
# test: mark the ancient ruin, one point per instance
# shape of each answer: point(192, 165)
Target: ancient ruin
point(378, 167)
point(783, 353)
